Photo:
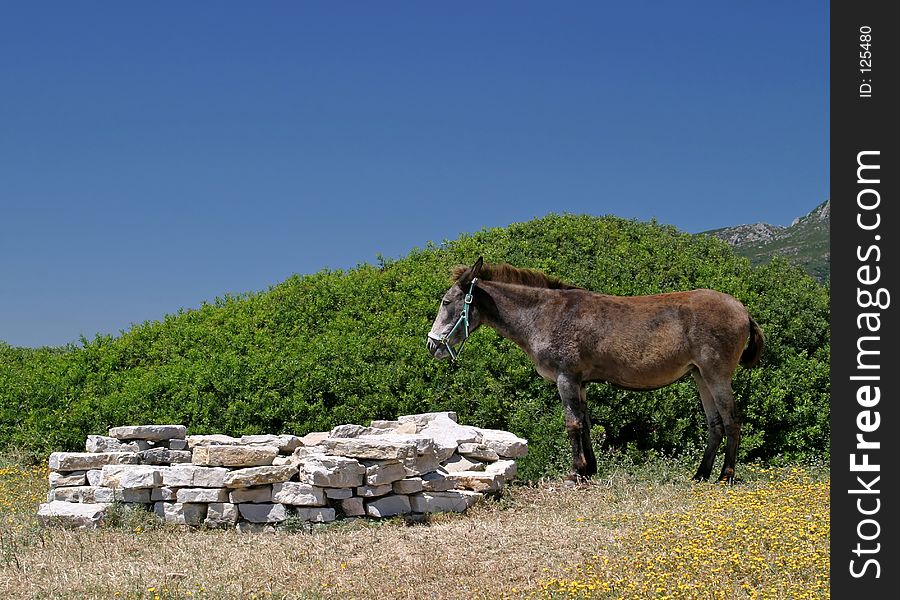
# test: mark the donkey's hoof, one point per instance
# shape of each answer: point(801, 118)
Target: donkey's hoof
point(699, 478)
point(727, 476)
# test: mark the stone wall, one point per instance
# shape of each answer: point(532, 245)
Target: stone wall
point(417, 464)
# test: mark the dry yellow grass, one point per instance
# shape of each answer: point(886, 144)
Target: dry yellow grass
point(628, 536)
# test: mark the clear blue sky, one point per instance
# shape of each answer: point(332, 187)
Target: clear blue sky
point(155, 155)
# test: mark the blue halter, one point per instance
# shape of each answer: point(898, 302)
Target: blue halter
point(462, 320)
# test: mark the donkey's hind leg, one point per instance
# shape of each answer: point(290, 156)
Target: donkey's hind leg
point(724, 398)
point(578, 425)
point(713, 423)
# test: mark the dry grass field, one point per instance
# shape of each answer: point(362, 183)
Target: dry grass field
point(639, 533)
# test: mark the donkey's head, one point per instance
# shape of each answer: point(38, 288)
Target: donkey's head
point(457, 317)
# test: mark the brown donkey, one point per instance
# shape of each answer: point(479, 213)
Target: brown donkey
point(575, 336)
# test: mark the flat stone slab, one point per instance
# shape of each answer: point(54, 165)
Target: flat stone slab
point(448, 435)
point(478, 481)
point(163, 494)
point(164, 456)
point(194, 476)
point(423, 419)
point(478, 452)
point(215, 439)
point(79, 516)
point(262, 493)
point(410, 485)
point(221, 514)
point(180, 513)
point(353, 507)
point(284, 442)
point(504, 443)
point(253, 476)
point(234, 456)
point(104, 443)
point(330, 471)
point(298, 494)
point(83, 461)
point(338, 493)
point(372, 491)
point(452, 501)
point(376, 447)
point(263, 513)
point(132, 476)
point(388, 506)
point(380, 473)
point(196, 495)
point(457, 463)
point(437, 482)
point(149, 432)
point(67, 479)
point(314, 438)
point(316, 515)
point(504, 468)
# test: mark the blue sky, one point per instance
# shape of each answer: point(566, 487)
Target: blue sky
point(156, 155)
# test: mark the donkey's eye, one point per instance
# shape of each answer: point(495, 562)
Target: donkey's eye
point(445, 302)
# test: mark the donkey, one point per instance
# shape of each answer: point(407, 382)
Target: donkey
point(575, 336)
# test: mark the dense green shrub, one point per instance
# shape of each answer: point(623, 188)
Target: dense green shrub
point(348, 346)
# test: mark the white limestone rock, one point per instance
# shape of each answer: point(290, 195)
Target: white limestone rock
point(388, 506)
point(79, 516)
point(148, 432)
point(437, 482)
point(104, 443)
point(330, 471)
point(338, 493)
point(451, 501)
point(316, 515)
point(132, 476)
point(504, 443)
point(221, 515)
point(262, 493)
point(284, 442)
point(314, 438)
point(373, 447)
point(422, 420)
point(263, 513)
point(163, 494)
point(478, 452)
point(352, 431)
point(164, 456)
point(448, 435)
point(371, 491)
point(194, 476)
point(410, 485)
point(215, 439)
point(504, 468)
point(94, 477)
point(478, 481)
point(83, 461)
point(382, 472)
point(196, 495)
point(68, 478)
point(234, 456)
point(253, 476)
point(457, 463)
point(180, 513)
point(298, 494)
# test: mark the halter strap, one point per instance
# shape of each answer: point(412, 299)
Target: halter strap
point(464, 320)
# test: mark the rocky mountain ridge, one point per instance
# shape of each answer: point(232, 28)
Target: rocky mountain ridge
point(805, 242)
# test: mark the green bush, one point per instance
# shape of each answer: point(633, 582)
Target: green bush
point(348, 346)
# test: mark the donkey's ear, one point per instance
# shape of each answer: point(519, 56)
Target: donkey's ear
point(476, 268)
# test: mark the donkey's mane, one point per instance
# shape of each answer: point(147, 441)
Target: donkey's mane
point(505, 273)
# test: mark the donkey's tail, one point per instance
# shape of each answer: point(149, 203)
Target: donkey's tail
point(754, 349)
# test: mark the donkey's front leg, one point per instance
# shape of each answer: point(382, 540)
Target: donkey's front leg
point(578, 425)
